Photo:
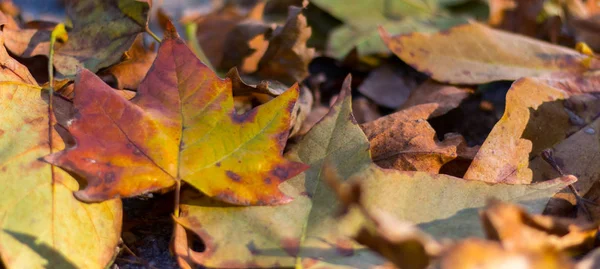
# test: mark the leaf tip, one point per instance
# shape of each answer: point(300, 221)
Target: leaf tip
point(384, 34)
point(170, 30)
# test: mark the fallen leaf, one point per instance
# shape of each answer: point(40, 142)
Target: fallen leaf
point(446, 97)
point(180, 126)
point(405, 141)
point(578, 154)
point(225, 35)
point(42, 225)
point(534, 119)
point(129, 73)
point(474, 53)
point(11, 69)
point(489, 255)
point(91, 44)
point(287, 56)
point(517, 230)
point(361, 19)
point(305, 233)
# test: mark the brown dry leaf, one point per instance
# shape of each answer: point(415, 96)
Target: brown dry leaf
point(386, 87)
point(481, 254)
point(405, 141)
point(131, 71)
point(535, 119)
point(11, 69)
point(447, 97)
point(287, 56)
point(519, 17)
point(517, 230)
point(224, 35)
point(474, 54)
point(579, 154)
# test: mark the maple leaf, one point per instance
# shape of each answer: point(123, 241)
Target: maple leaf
point(180, 126)
point(474, 53)
point(91, 43)
point(305, 232)
point(41, 223)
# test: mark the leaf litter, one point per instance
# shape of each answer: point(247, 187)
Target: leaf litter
point(402, 134)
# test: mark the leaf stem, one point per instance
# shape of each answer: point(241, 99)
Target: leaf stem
point(177, 197)
point(152, 34)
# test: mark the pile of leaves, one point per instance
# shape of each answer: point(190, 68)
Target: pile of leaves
point(330, 134)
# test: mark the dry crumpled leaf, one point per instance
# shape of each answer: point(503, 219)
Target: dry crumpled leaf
point(91, 43)
point(287, 56)
point(517, 230)
point(230, 37)
point(129, 73)
point(180, 126)
point(405, 141)
point(474, 54)
point(446, 97)
point(42, 225)
point(11, 69)
point(304, 232)
point(535, 119)
point(480, 254)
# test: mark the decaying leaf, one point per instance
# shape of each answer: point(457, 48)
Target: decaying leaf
point(475, 53)
point(287, 56)
point(578, 154)
point(226, 36)
point(11, 69)
point(304, 232)
point(42, 225)
point(535, 119)
point(517, 230)
point(180, 126)
point(405, 141)
point(91, 43)
point(490, 255)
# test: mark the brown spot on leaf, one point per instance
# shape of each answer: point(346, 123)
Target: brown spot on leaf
point(34, 120)
point(233, 176)
point(242, 118)
point(281, 173)
point(291, 246)
point(109, 177)
point(252, 248)
point(1, 132)
point(218, 164)
point(344, 247)
point(267, 181)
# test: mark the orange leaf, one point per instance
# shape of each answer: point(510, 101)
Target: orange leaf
point(181, 126)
